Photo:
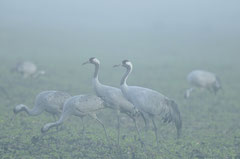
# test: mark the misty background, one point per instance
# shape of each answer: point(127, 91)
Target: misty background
point(152, 34)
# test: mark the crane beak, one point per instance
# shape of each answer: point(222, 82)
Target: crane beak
point(117, 65)
point(85, 63)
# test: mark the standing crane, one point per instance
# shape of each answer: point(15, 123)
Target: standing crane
point(81, 106)
point(150, 102)
point(202, 79)
point(49, 101)
point(112, 97)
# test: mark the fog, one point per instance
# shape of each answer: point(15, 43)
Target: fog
point(172, 16)
point(199, 34)
point(120, 27)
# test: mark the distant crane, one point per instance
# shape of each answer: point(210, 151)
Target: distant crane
point(49, 101)
point(28, 69)
point(202, 79)
point(112, 97)
point(150, 102)
point(81, 105)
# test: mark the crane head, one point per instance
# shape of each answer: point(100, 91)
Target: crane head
point(46, 127)
point(92, 60)
point(18, 108)
point(125, 63)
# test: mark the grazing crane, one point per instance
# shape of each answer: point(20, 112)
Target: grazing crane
point(202, 79)
point(81, 105)
point(49, 101)
point(112, 97)
point(150, 102)
point(28, 69)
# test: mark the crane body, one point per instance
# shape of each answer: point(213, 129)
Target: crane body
point(204, 80)
point(80, 106)
point(49, 101)
point(150, 102)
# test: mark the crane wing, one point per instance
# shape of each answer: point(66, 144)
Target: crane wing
point(88, 103)
point(154, 103)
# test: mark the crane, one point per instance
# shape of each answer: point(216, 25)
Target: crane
point(81, 106)
point(49, 101)
point(202, 79)
point(112, 97)
point(28, 69)
point(150, 102)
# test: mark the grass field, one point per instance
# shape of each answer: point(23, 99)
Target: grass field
point(211, 128)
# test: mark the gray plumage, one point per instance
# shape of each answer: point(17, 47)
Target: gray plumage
point(81, 105)
point(112, 97)
point(202, 79)
point(150, 102)
point(49, 101)
point(28, 69)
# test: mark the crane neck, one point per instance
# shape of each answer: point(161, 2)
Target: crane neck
point(63, 117)
point(125, 76)
point(95, 80)
point(34, 111)
point(95, 76)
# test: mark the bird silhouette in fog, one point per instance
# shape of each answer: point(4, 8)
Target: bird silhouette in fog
point(204, 80)
point(28, 69)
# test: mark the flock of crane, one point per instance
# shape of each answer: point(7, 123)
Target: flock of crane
point(133, 101)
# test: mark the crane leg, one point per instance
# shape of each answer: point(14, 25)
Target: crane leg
point(57, 131)
point(83, 128)
point(156, 132)
point(61, 126)
point(118, 126)
point(139, 135)
point(188, 92)
point(94, 116)
point(55, 119)
point(146, 121)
